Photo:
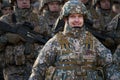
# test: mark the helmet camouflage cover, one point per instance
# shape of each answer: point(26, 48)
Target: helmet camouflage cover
point(43, 2)
point(73, 6)
point(94, 2)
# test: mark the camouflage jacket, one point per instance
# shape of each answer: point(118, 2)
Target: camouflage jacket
point(47, 21)
point(14, 53)
point(66, 57)
point(113, 69)
point(101, 18)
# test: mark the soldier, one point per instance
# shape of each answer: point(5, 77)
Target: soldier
point(113, 69)
point(116, 7)
point(49, 10)
point(19, 54)
point(6, 8)
point(104, 12)
point(74, 54)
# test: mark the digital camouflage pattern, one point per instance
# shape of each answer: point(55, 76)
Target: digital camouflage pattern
point(71, 58)
point(103, 17)
point(113, 69)
point(47, 20)
point(74, 54)
point(18, 65)
point(44, 3)
point(73, 9)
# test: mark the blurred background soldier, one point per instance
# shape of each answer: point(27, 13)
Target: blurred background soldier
point(19, 53)
point(116, 6)
point(113, 69)
point(49, 12)
point(74, 54)
point(104, 10)
point(6, 8)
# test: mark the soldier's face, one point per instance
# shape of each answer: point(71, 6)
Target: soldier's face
point(75, 20)
point(54, 6)
point(23, 4)
point(105, 4)
point(6, 10)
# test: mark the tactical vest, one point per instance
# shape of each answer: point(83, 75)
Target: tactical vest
point(77, 59)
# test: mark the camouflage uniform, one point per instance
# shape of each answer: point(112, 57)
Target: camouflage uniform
point(74, 54)
point(47, 19)
point(103, 17)
point(18, 65)
point(113, 69)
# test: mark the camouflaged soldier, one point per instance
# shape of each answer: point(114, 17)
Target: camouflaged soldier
point(6, 8)
point(49, 10)
point(59, 24)
point(113, 69)
point(19, 55)
point(74, 54)
point(104, 12)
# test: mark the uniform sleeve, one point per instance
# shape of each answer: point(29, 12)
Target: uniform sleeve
point(45, 59)
point(104, 54)
point(112, 71)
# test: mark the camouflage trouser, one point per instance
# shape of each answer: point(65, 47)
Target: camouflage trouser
point(17, 72)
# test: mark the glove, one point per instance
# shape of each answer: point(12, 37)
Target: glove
point(28, 25)
point(13, 38)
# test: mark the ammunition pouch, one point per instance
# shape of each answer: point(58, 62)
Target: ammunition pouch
point(13, 38)
point(79, 68)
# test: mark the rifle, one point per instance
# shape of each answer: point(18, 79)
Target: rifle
point(25, 30)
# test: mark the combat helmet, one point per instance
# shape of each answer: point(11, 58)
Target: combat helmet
point(95, 2)
point(6, 4)
point(73, 6)
point(44, 3)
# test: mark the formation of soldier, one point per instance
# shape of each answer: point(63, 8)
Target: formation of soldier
point(82, 40)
